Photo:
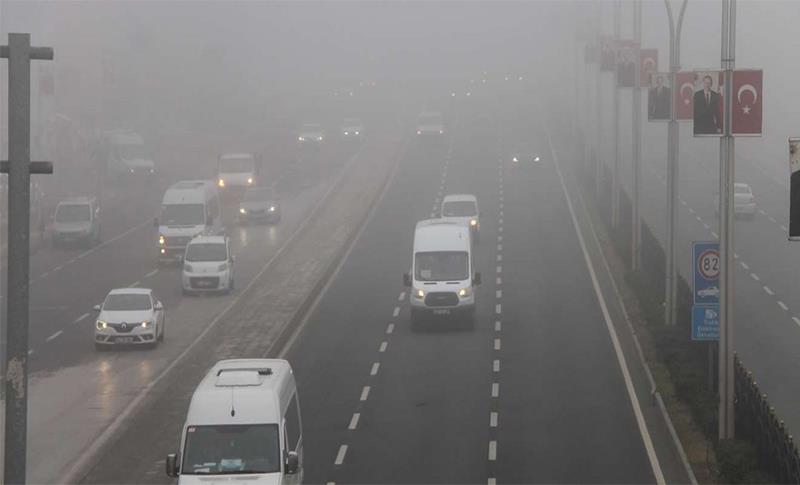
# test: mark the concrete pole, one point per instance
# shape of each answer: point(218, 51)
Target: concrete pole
point(726, 227)
point(636, 228)
point(615, 185)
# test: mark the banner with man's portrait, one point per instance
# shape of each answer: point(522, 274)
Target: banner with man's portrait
point(659, 97)
point(794, 189)
point(707, 103)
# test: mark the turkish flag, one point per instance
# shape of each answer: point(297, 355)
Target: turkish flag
point(748, 99)
point(648, 64)
point(683, 95)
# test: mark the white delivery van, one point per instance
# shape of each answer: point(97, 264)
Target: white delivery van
point(189, 208)
point(443, 276)
point(243, 425)
point(236, 171)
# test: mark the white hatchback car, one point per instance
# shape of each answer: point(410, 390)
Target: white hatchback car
point(208, 265)
point(462, 208)
point(129, 316)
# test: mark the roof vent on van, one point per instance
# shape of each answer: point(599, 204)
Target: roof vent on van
point(241, 377)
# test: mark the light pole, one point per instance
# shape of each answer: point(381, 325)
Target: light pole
point(615, 185)
point(636, 228)
point(671, 284)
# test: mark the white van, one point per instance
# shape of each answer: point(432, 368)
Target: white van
point(443, 276)
point(189, 208)
point(236, 171)
point(128, 155)
point(208, 265)
point(244, 424)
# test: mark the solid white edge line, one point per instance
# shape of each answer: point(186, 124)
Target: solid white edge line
point(645, 433)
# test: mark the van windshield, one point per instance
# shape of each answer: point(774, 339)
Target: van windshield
point(200, 252)
point(459, 208)
point(441, 266)
point(236, 165)
point(231, 449)
point(73, 213)
point(183, 215)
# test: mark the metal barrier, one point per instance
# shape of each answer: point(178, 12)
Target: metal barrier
point(757, 423)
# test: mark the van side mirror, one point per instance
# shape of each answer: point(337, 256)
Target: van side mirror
point(292, 463)
point(155, 222)
point(96, 308)
point(407, 280)
point(171, 465)
point(477, 279)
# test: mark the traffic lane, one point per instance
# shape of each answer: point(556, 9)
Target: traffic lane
point(333, 355)
point(62, 301)
point(563, 396)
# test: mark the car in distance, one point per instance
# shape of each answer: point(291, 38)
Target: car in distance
point(430, 123)
point(259, 204)
point(129, 316)
point(463, 209)
point(76, 220)
point(523, 156)
point(744, 202)
point(208, 265)
point(352, 129)
point(311, 134)
point(236, 171)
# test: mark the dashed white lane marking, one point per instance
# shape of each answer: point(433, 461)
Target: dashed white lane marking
point(30, 352)
point(783, 306)
point(499, 247)
point(769, 291)
point(498, 326)
point(497, 344)
point(501, 206)
point(761, 211)
point(691, 211)
point(495, 389)
point(499, 280)
point(340, 455)
point(491, 481)
point(744, 265)
point(500, 221)
point(698, 218)
point(784, 228)
point(500, 238)
point(492, 450)
point(134, 284)
point(499, 269)
point(683, 202)
point(390, 328)
point(402, 296)
point(496, 365)
point(493, 419)
point(499, 257)
point(500, 229)
point(498, 294)
point(354, 421)
point(81, 318)
point(396, 311)
point(375, 368)
point(498, 309)
point(714, 235)
point(771, 219)
point(755, 276)
point(501, 214)
point(55, 335)
point(383, 346)
point(44, 275)
point(152, 273)
point(706, 226)
point(735, 255)
point(364, 393)
point(58, 268)
point(796, 321)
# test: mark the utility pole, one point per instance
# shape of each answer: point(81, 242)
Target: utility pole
point(19, 169)
point(598, 159)
point(726, 225)
point(671, 284)
point(636, 228)
point(615, 185)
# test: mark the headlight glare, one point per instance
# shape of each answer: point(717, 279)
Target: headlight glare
point(101, 325)
point(145, 324)
point(221, 183)
point(464, 292)
point(473, 222)
point(162, 240)
point(242, 210)
point(420, 294)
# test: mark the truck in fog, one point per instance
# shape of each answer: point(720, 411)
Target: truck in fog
point(189, 208)
point(237, 171)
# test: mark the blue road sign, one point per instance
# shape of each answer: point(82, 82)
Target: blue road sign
point(705, 267)
point(705, 322)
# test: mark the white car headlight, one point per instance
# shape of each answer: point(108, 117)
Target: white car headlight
point(473, 222)
point(249, 180)
point(300, 138)
point(272, 208)
point(146, 324)
point(464, 292)
point(242, 210)
point(221, 183)
point(419, 294)
point(101, 325)
point(357, 133)
point(515, 159)
point(161, 240)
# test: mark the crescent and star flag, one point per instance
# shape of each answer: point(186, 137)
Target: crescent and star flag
point(684, 81)
point(748, 99)
point(648, 64)
point(794, 189)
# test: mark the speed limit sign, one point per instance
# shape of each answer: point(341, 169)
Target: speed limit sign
point(706, 266)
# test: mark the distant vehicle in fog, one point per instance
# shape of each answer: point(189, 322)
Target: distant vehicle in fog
point(76, 221)
point(463, 209)
point(744, 202)
point(237, 171)
point(352, 129)
point(243, 421)
point(208, 265)
point(129, 316)
point(259, 204)
point(311, 134)
point(189, 208)
point(430, 123)
point(523, 156)
point(442, 278)
point(128, 156)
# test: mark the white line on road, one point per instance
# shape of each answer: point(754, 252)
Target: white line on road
point(500, 229)
point(691, 211)
point(500, 221)
point(390, 328)
point(354, 421)
point(500, 238)
point(81, 317)
point(134, 284)
point(58, 268)
point(495, 389)
point(152, 273)
point(714, 235)
point(493, 419)
point(755, 276)
point(383, 346)
point(735, 255)
point(496, 365)
point(698, 218)
point(396, 311)
point(497, 344)
point(498, 294)
point(55, 335)
point(796, 321)
point(771, 219)
point(499, 280)
point(499, 247)
point(499, 257)
point(402, 296)
point(744, 265)
point(683, 202)
point(768, 290)
point(498, 326)
point(44, 275)
point(498, 309)
point(783, 306)
point(340, 455)
point(30, 352)
point(492, 450)
point(375, 367)
point(364, 393)
point(706, 226)
point(762, 212)
point(491, 481)
point(783, 228)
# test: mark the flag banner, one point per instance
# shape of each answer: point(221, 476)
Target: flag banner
point(606, 53)
point(794, 189)
point(748, 99)
point(707, 104)
point(625, 55)
point(659, 97)
point(684, 80)
point(648, 64)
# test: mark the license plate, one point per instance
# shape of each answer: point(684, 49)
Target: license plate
point(124, 340)
point(443, 311)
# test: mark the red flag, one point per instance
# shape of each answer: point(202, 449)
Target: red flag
point(747, 102)
point(684, 82)
point(648, 64)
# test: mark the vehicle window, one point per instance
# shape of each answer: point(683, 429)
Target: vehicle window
point(126, 302)
point(199, 252)
point(231, 449)
point(441, 266)
point(460, 208)
point(183, 214)
point(236, 165)
point(73, 213)
point(257, 195)
point(293, 425)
